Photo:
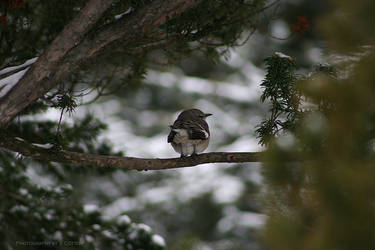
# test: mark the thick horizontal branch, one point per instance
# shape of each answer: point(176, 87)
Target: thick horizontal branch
point(129, 163)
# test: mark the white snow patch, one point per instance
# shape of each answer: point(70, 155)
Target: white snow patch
point(133, 235)
point(23, 191)
point(120, 131)
point(207, 178)
point(165, 79)
point(58, 236)
point(281, 55)
point(43, 182)
point(119, 206)
point(48, 215)
point(7, 83)
point(222, 89)
point(246, 143)
point(255, 175)
point(237, 57)
point(315, 55)
point(90, 208)
point(124, 13)
point(155, 194)
point(286, 141)
point(13, 68)
point(46, 146)
point(123, 220)
point(280, 29)
point(230, 191)
point(67, 186)
point(19, 208)
point(250, 75)
point(234, 218)
point(158, 240)
point(61, 189)
point(190, 84)
point(144, 227)
point(108, 234)
point(89, 238)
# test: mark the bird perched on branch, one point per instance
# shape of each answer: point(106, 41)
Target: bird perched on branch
point(190, 134)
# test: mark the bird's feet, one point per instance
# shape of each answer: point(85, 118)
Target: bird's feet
point(194, 154)
point(185, 156)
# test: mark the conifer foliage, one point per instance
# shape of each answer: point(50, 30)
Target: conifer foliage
point(111, 46)
point(319, 175)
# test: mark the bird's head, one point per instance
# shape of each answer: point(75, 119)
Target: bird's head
point(193, 113)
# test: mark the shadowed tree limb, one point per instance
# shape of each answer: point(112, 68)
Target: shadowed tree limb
point(39, 77)
point(53, 154)
point(73, 48)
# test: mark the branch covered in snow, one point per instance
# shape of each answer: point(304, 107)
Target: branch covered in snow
point(19, 145)
point(72, 48)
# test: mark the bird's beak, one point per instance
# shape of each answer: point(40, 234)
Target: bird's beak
point(206, 115)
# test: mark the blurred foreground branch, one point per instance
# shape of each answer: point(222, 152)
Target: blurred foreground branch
point(54, 154)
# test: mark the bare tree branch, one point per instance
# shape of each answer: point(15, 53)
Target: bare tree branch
point(73, 48)
point(129, 163)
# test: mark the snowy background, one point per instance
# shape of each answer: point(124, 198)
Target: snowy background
point(215, 206)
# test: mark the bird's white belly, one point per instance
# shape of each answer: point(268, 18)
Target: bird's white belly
point(185, 146)
point(191, 147)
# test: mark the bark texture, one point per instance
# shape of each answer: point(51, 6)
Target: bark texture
point(54, 154)
point(73, 48)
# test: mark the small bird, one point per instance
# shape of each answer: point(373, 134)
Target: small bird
point(190, 134)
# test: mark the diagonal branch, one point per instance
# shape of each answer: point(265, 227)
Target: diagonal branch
point(127, 163)
point(73, 48)
point(38, 79)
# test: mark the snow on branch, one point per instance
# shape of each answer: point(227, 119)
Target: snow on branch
point(11, 75)
point(39, 78)
point(282, 55)
point(72, 49)
point(12, 69)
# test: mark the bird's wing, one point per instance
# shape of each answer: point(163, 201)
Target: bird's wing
point(171, 136)
point(176, 125)
point(197, 130)
point(198, 135)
